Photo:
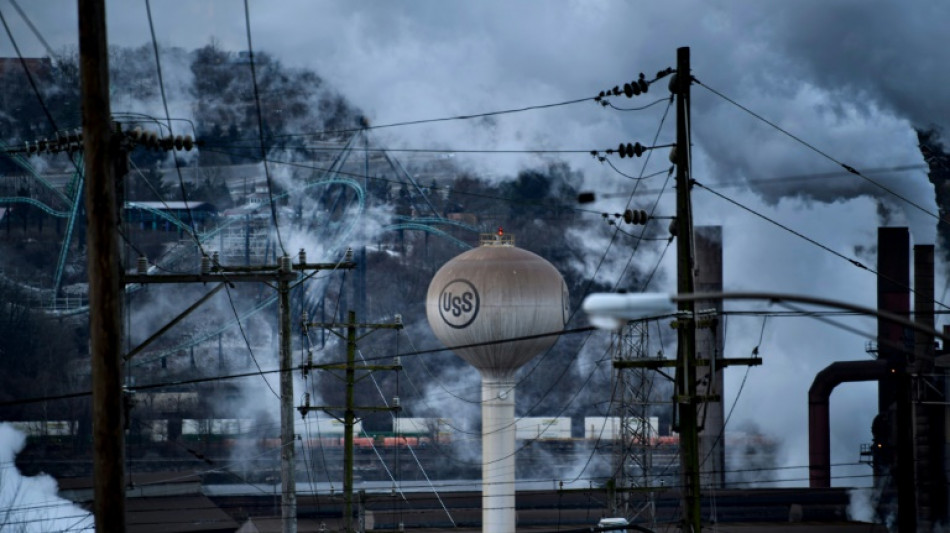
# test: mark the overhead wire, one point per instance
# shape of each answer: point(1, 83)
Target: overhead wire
point(594, 275)
point(34, 29)
point(29, 75)
point(822, 153)
point(828, 249)
point(161, 86)
point(408, 446)
point(439, 119)
point(247, 342)
point(260, 126)
point(639, 108)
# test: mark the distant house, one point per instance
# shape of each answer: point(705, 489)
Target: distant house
point(169, 216)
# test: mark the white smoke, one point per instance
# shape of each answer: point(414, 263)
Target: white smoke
point(31, 504)
point(849, 79)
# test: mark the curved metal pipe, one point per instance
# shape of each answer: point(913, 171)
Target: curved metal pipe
point(819, 430)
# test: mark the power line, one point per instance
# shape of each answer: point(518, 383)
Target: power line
point(440, 119)
point(427, 150)
point(640, 108)
point(854, 262)
point(161, 87)
point(260, 127)
point(29, 75)
point(822, 153)
point(149, 386)
point(794, 178)
point(36, 32)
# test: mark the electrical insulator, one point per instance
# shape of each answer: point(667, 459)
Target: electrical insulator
point(179, 142)
point(136, 134)
point(397, 319)
point(673, 155)
point(396, 402)
point(642, 83)
point(30, 149)
point(632, 89)
point(284, 264)
point(673, 227)
point(309, 358)
point(635, 216)
point(43, 145)
point(142, 264)
point(188, 143)
point(397, 361)
point(205, 264)
point(302, 256)
point(306, 399)
point(348, 256)
point(616, 91)
point(168, 143)
point(630, 150)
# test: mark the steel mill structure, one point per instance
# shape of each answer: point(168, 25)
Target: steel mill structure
point(477, 304)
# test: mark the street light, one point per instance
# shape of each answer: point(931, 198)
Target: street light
point(612, 310)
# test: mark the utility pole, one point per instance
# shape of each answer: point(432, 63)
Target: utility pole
point(284, 273)
point(349, 410)
point(288, 482)
point(100, 147)
point(685, 399)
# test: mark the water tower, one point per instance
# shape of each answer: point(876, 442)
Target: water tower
point(484, 297)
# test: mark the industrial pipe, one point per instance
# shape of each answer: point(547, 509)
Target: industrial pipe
point(819, 431)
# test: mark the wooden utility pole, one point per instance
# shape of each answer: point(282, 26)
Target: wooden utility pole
point(288, 482)
point(101, 150)
point(349, 410)
point(284, 273)
point(685, 399)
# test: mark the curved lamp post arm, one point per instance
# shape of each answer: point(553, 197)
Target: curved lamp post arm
point(612, 310)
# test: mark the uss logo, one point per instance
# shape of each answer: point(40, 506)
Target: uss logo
point(458, 303)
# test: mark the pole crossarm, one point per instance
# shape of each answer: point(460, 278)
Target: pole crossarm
point(349, 410)
point(295, 266)
point(281, 275)
point(334, 408)
point(337, 325)
point(337, 366)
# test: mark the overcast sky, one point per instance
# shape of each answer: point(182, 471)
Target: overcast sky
point(851, 77)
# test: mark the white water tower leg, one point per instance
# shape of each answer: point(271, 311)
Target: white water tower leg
point(498, 455)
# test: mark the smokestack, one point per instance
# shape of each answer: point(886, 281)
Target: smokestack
point(893, 295)
point(894, 465)
point(929, 419)
point(709, 346)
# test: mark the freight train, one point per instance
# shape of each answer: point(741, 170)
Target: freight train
point(329, 432)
